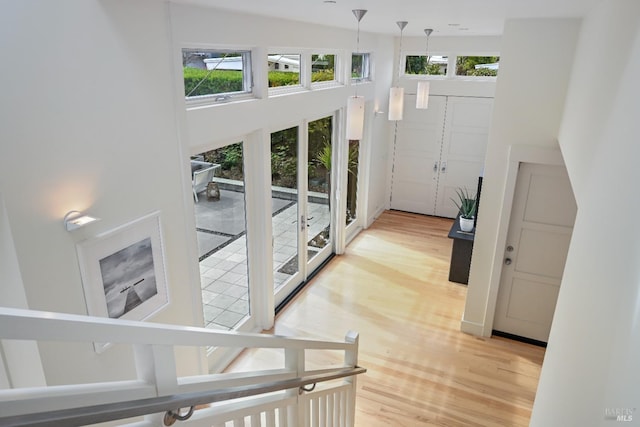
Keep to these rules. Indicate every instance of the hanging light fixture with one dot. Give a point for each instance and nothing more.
(355, 104)
(422, 95)
(396, 93)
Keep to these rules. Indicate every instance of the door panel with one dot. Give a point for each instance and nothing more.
(538, 240)
(417, 156)
(466, 132)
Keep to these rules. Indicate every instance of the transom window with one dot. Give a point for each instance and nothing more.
(477, 66)
(323, 68)
(360, 66)
(434, 65)
(284, 69)
(218, 73)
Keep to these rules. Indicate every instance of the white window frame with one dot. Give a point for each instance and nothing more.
(367, 67)
(452, 65)
(337, 70)
(403, 69)
(224, 97)
(304, 74)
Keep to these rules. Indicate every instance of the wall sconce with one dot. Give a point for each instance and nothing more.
(77, 219)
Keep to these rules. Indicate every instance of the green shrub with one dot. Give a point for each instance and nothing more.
(282, 78)
(322, 76)
(207, 82)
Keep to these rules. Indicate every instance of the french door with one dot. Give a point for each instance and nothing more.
(301, 159)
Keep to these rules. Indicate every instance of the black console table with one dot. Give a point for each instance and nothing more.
(460, 253)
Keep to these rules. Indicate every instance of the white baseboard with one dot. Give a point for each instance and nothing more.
(473, 328)
(375, 216)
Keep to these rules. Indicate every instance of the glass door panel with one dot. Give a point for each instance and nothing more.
(319, 156)
(286, 212)
(301, 191)
(352, 181)
(218, 187)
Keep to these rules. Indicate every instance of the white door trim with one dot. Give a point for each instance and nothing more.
(517, 154)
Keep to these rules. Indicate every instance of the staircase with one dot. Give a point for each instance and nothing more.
(288, 395)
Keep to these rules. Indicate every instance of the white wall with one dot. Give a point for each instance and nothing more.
(20, 363)
(88, 123)
(591, 363)
(528, 108)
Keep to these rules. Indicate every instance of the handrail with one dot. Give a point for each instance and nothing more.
(73, 327)
(121, 410)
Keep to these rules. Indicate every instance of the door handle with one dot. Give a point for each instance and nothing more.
(507, 261)
(435, 167)
(444, 167)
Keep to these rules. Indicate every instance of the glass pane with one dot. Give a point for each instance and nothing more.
(352, 181)
(477, 66)
(284, 69)
(210, 72)
(319, 185)
(322, 68)
(218, 183)
(433, 65)
(284, 194)
(360, 66)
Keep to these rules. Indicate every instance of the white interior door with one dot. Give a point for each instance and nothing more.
(540, 228)
(466, 133)
(417, 156)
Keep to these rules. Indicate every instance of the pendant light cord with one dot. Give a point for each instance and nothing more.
(358, 54)
(399, 58)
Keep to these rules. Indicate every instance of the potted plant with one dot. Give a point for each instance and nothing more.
(466, 205)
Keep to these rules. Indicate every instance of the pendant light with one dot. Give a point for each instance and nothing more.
(396, 93)
(422, 95)
(355, 104)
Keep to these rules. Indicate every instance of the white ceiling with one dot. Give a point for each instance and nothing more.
(446, 17)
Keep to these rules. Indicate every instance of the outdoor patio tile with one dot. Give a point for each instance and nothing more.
(218, 286)
(280, 257)
(240, 255)
(235, 291)
(210, 262)
(216, 327)
(231, 277)
(208, 296)
(214, 273)
(223, 301)
(227, 265)
(240, 306)
(228, 319)
(211, 312)
(244, 282)
(240, 269)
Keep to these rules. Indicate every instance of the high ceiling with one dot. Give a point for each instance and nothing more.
(446, 17)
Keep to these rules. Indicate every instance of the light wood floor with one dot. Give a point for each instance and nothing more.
(391, 286)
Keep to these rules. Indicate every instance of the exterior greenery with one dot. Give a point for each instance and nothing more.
(199, 82)
(230, 160)
(418, 65)
(466, 65)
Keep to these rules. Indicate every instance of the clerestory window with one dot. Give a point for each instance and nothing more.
(216, 74)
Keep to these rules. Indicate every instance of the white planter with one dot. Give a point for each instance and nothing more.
(466, 224)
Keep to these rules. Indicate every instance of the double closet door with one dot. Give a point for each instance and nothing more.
(438, 150)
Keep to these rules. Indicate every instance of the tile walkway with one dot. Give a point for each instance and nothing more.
(223, 254)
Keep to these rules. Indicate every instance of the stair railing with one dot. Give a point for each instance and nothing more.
(285, 396)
